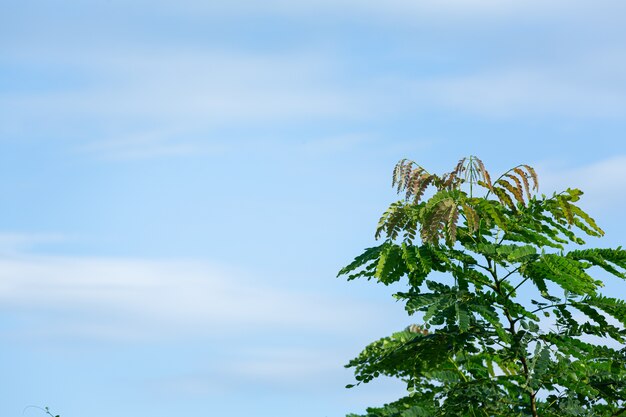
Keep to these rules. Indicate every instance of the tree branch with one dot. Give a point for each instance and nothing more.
(511, 329)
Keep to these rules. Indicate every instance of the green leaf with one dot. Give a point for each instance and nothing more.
(367, 257)
(462, 317)
(390, 267)
(566, 272)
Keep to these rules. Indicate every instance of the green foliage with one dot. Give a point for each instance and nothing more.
(482, 349)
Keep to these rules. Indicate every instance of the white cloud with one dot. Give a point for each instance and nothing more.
(399, 10)
(603, 182)
(126, 298)
(284, 364)
(334, 144)
(144, 144)
(147, 103)
(169, 102)
(293, 369)
(189, 89)
(11, 243)
(141, 100)
(571, 88)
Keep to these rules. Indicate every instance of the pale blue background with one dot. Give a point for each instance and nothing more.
(180, 181)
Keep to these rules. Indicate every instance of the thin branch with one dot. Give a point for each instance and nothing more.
(518, 285)
(550, 306)
(511, 329)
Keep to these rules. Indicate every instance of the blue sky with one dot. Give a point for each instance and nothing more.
(181, 181)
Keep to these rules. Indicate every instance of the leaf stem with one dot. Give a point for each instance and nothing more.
(517, 286)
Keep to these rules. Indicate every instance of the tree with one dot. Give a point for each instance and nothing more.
(512, 321)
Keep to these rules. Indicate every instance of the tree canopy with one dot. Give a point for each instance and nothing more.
(512, 321)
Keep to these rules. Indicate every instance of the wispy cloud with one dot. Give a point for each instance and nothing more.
(334, 144)
(148, 103)
(285, 364)
(121, 298)
(400, 10)
(295, 370)
(603, 182)
(15, 243)
(163, 143)
(585, 87)
(193, 89)
(143, 145)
